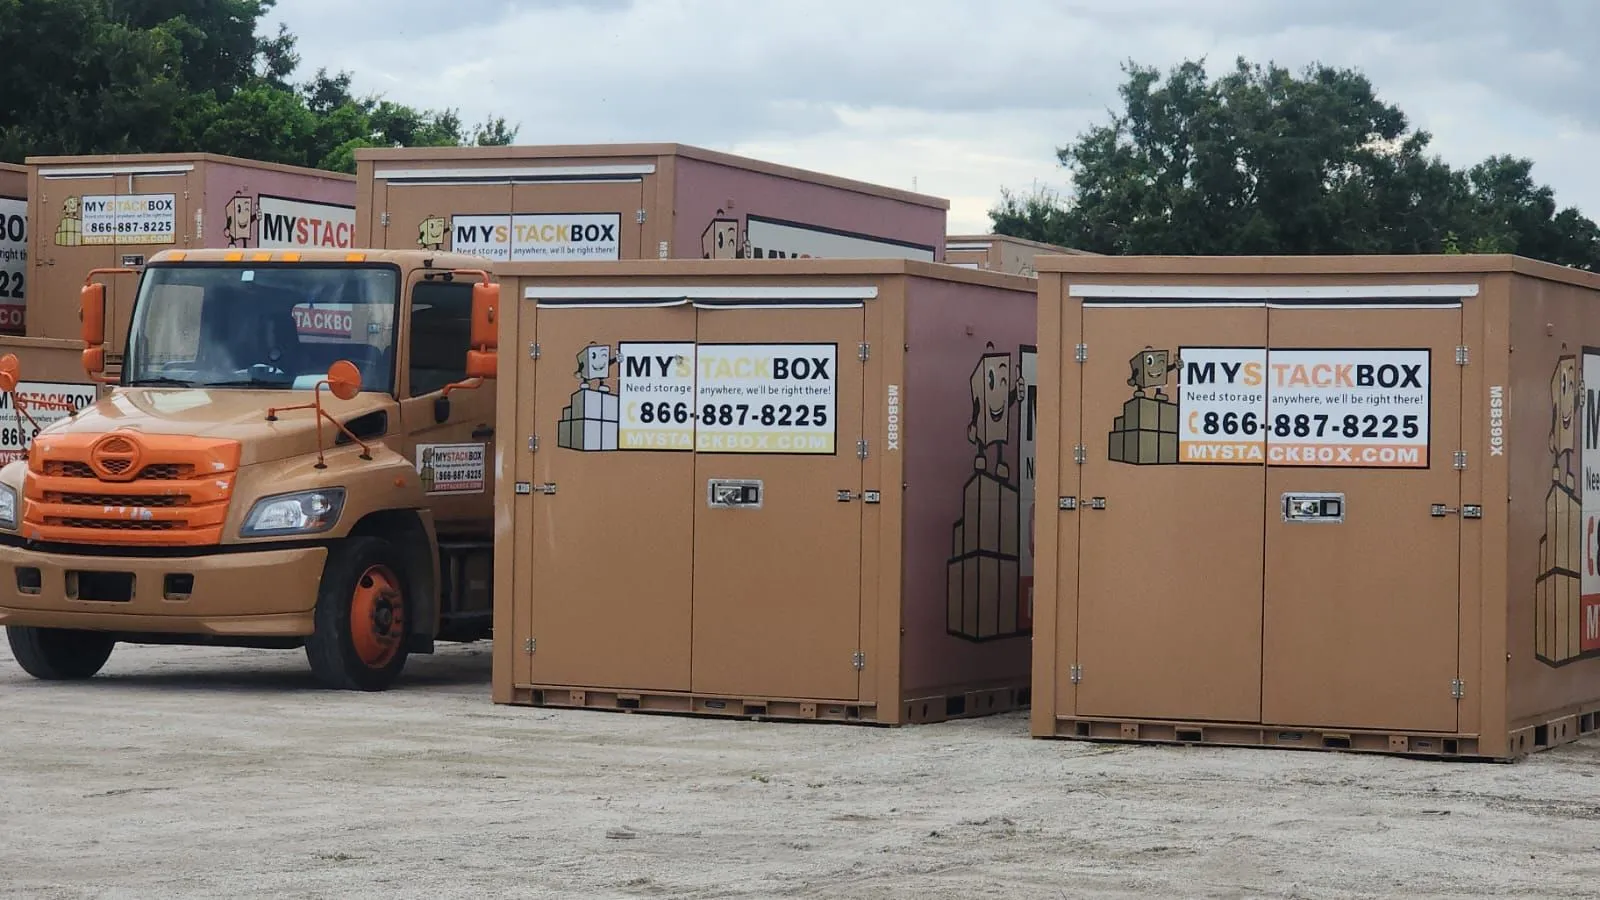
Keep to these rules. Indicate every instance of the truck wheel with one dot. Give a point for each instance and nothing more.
(59, 654)
(363, 605)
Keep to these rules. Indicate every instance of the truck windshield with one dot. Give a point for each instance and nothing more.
(266, 326)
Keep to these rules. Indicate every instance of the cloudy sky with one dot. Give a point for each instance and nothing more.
(955, 99)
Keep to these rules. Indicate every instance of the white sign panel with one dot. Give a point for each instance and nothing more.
(451, 468)
(1222, 403)
(655, 393)
(781, 240)
(17, 433)
(130, 219)
(1359, 408)
(13, 261)
(299, 224)
(766, 398)
(1588, 425)
(1029, 364)
(538, 237)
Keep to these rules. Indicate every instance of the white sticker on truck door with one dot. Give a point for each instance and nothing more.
(45, 402)
(766, 398)
(451, 468)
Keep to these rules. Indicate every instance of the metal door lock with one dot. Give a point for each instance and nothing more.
(1313, 508)
(723, 493)
(1467, 511)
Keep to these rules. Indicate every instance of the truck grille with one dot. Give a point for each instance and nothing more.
(130, 489)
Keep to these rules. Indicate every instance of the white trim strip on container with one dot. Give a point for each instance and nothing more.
(969, 246)
(1245, 304)
(648, 291)
(607, 304)
(760, 304)
(1268, 292)
(538, 172)
(104, 171)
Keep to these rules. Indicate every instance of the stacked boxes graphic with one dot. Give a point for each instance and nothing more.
(982, 596)
(1146, 434)
(590, 422)
(1558, 592)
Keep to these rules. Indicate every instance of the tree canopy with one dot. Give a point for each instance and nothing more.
(1266, 161)
(157, 76)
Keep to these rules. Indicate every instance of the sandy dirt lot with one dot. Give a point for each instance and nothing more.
(219, 773)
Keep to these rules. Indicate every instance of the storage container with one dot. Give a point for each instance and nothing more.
(1342, 502)
(632, 201)
(13, 246)
(998, 252)
(115, 211)
(787, 489)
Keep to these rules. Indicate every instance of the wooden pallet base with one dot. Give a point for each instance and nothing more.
(965, 705)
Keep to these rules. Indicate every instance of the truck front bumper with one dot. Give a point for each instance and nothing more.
(264, 593)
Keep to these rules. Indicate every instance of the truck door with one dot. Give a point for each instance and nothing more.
(777, 481)
(452, 444)
(612, 492)
(1362, 584)
(1169, 517)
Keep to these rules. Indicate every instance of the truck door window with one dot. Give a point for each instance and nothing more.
(441, 333)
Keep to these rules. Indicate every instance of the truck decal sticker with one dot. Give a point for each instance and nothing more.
(1348, 408)
(1567, 590)
(709, 398)
(989, 591)
(451, 468)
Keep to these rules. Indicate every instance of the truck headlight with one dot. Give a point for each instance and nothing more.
(8, 507)
(304, 512)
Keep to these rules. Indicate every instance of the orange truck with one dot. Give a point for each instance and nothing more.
(293, 452)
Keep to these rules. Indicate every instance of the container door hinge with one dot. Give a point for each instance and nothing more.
(384, 220)
(1081, 353)
(861, 448)
(1077, 673)
(528, 646)
(1461, 355)
(533, 444)
(859, 660)
(1461, 459)
(1458, 688)
(533, 350)
(1079, 454)
(639, 217)
(864, 351)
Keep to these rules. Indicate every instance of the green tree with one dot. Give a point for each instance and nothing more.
(1266, 161)
(150, 76)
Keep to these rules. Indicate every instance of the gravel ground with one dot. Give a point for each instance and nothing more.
(185, 772)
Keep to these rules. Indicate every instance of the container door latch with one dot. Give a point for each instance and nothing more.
(1318, 508)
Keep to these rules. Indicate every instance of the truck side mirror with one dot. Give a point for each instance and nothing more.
(10, 373)
(92, 310)
(482, 357)
(94, 360)
(344, 379)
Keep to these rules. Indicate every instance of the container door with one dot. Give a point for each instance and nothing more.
(579, 221)
(1362, 591)
(777, 553)
(471, 217)
(1170, 567)
(73, 235)
(613, 495)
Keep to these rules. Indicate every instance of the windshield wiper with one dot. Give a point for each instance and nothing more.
(160, 382)
(249, 382)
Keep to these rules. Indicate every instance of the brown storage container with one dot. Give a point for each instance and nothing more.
(13, 246)
(632, 201)
(791, 489)
(1341, 502)
(104, 211)
(999, 252)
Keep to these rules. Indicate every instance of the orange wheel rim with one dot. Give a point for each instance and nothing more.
(377, 616)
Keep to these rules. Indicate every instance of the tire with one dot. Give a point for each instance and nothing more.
(59, 654)
(358, 642)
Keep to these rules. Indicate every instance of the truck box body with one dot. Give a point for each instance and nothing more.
(727, 510)
(1341, 502)
(102, 211)
(998, 252)
(632, 201)
(13, 246)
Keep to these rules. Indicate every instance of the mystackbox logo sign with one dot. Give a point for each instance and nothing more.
(1567, 589)
(13, 261)
(532, 237)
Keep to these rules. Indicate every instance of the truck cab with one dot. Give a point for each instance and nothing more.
(295, 449)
